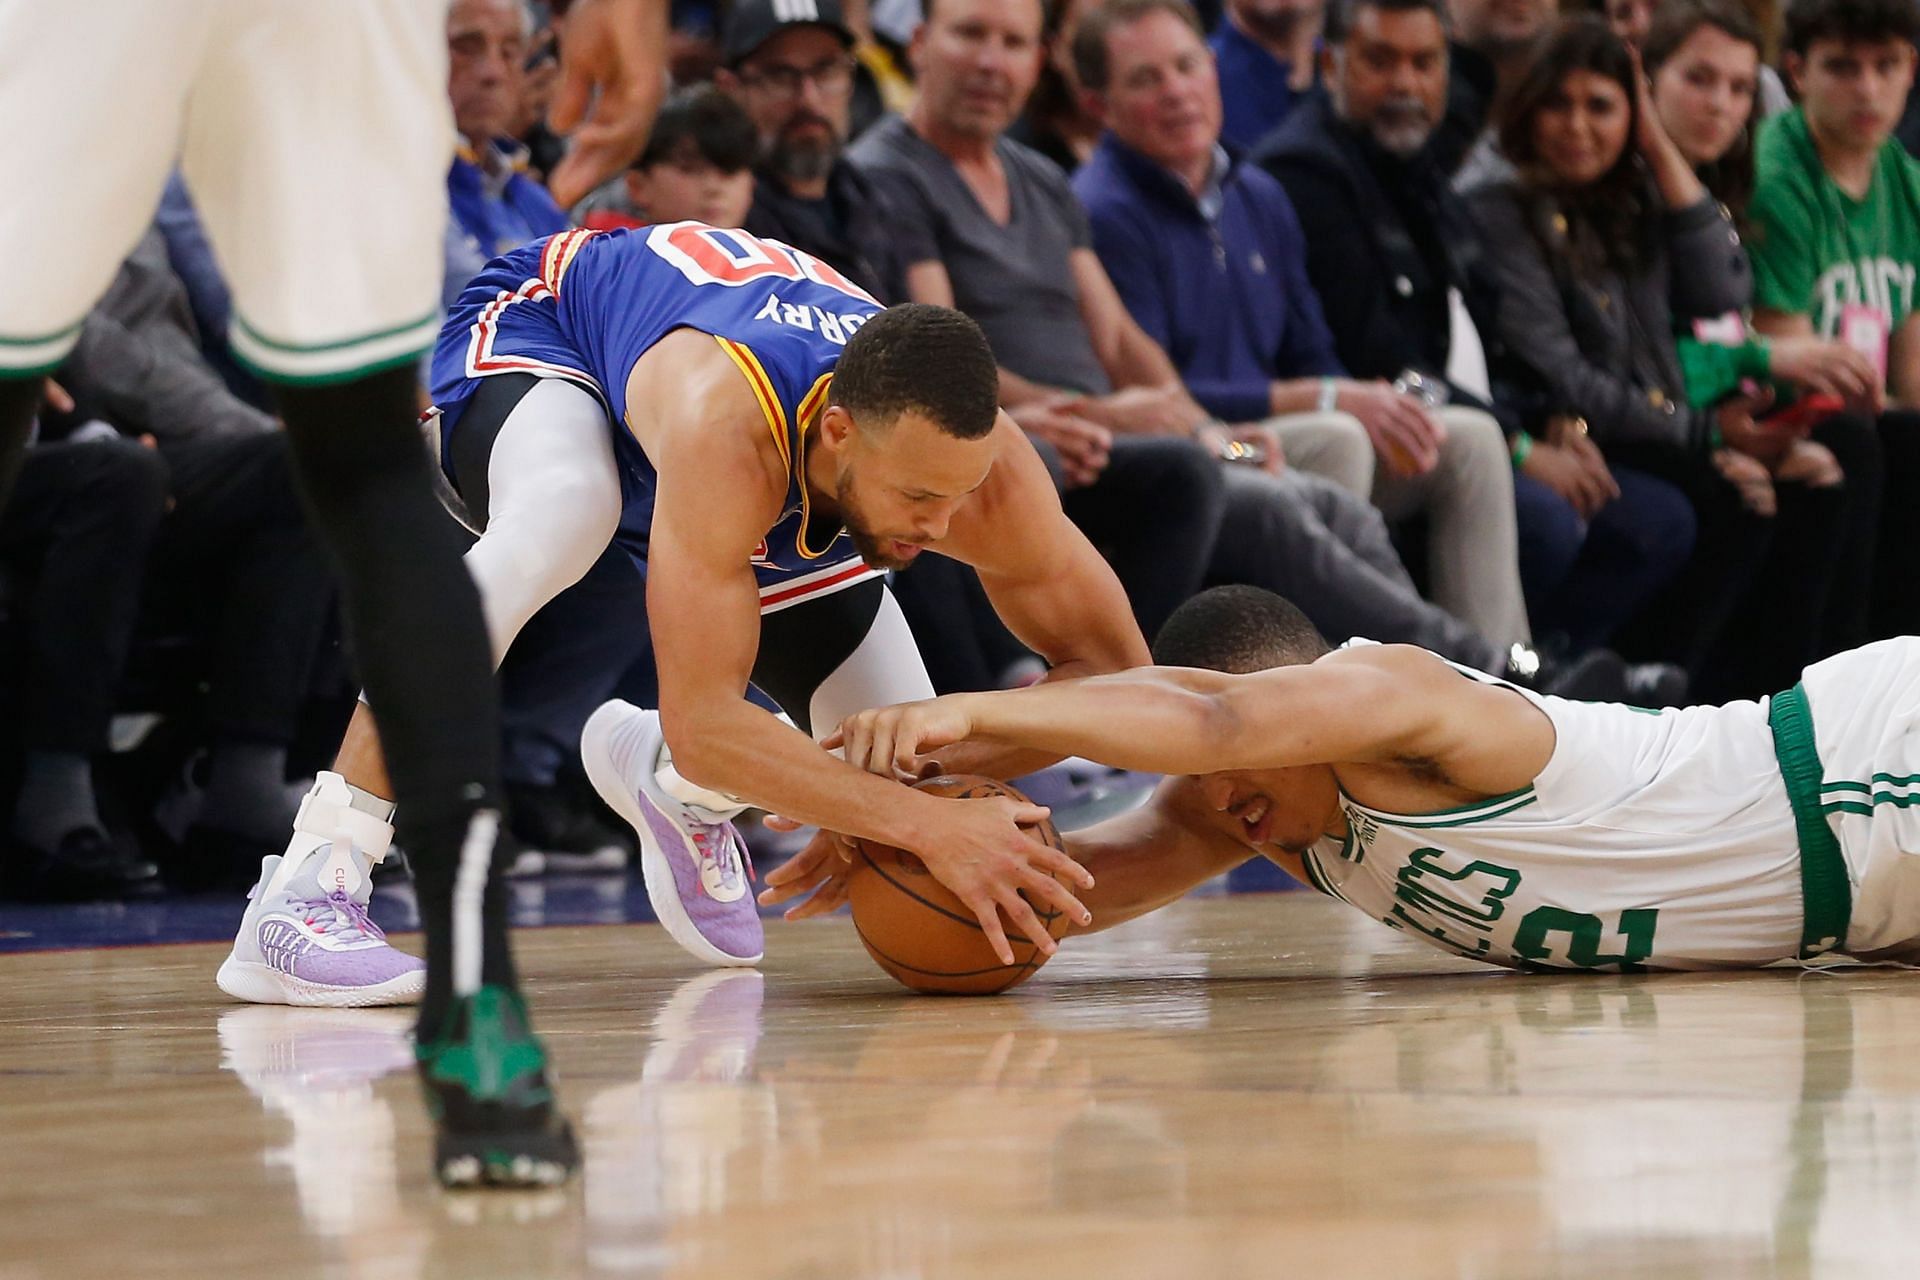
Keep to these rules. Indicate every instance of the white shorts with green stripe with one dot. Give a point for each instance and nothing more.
(1865, 706)
(315, 138)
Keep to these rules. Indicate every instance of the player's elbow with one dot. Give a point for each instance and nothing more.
(1224, 729)
(693, 739)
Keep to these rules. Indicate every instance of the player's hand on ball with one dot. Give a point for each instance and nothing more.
(823, 869)
(892, 741)
(979, 850)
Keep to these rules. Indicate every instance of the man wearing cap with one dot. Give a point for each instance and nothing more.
(790, 64)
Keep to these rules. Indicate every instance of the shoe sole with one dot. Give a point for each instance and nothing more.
(505, 1160)
(263, 984)
(655, 869)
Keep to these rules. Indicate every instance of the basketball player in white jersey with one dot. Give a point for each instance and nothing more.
(316, 138)
(1503, 825)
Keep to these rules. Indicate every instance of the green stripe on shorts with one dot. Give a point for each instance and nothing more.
(1826, 893)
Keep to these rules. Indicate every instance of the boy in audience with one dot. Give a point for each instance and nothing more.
(1835, 235)
(698, 166)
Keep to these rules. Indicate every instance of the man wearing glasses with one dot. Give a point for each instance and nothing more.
(789, 63)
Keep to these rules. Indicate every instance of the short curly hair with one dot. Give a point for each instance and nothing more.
(920, 358)
(1238, 630)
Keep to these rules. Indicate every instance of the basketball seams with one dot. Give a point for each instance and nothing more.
(935, 907)
(927, 942)
(1013, 973)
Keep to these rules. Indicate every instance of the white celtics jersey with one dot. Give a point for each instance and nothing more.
(1659, 840)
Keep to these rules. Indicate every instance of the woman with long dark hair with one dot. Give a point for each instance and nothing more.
(1612, 243)
(1702, 59)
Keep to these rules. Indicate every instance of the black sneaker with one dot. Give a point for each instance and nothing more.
(557, 832)
(1655, 684)
(497, 1123)
(88, 865)
(1598, 675)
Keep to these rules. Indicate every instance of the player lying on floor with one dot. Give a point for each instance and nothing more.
(1502, 825)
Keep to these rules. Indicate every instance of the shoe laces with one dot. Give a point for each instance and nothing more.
(721, 845)
(339, 917)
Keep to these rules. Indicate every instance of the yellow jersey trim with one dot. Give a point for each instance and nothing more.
(810, 406)
(762, 386)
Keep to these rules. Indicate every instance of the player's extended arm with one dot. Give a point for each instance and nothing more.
(1047, 583)
(704, 607)
(1371, 705)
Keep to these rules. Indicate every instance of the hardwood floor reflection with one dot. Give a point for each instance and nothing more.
(1254, 1086)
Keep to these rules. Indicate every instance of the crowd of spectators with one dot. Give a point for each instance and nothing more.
(1575, 345)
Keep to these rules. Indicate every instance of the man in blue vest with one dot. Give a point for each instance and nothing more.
(495, 206)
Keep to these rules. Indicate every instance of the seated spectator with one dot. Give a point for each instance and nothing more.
(1008, 244)
(191, 255)
(790, 67)
(1207, 253)
(1491, 41)
(697, 166)
(1702, 59)
(1836, 238)
(1630, 19)
(1404, 283)
(1599, 266)
(1056, 123)
(1080, 374)
(74, 538)
(1269, 63)
(232, 553)
(494, 206)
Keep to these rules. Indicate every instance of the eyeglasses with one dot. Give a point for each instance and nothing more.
(832, 79)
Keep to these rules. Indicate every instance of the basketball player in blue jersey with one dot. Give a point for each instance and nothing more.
(763, 442)
(1496, 823)
(316, 138)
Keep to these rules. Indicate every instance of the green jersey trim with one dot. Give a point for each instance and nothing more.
(1318, 877)
(1826, 892)
(1458, 816)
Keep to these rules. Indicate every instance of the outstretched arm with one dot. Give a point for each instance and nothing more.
(1379, 704)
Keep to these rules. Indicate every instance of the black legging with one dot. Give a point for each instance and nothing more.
(1764, 597)
(1896, 602)
(1809, 599)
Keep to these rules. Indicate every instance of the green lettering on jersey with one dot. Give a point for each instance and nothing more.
(1532, 942)
(1438, 909)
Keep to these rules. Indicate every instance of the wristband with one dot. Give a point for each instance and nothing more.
(1522, 446)
(1329, 395)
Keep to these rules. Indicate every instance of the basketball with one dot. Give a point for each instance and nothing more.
(924, 936)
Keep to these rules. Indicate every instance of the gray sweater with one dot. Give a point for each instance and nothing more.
(138, 358)
(1605, 346)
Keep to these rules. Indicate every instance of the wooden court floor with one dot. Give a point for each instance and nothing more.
(1254, 1086)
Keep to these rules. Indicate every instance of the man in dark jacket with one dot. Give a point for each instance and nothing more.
(791, 67)
(1403, 279)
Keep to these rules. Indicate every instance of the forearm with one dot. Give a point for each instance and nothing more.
(1017, 392)
(735, 747)
(1296, 395)
(1154, 720)
(1679, 186)
(999, 760)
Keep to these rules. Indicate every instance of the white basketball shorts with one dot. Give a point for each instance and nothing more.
(314, 134)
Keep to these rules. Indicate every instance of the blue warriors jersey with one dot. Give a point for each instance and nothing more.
(585, 306)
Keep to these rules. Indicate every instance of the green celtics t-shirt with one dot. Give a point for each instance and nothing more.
(1816, 249)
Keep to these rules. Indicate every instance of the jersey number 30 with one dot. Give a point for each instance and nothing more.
(711, 255)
